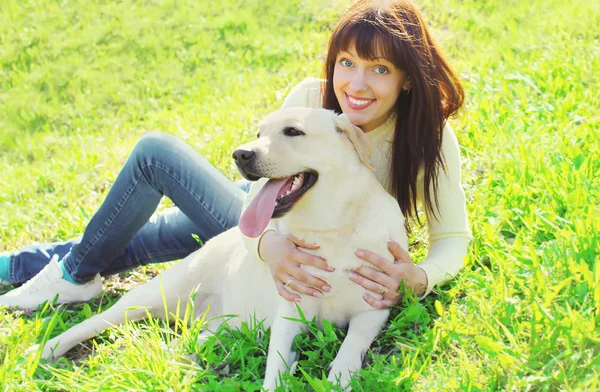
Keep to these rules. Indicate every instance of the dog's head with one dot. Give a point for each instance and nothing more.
(296, 149)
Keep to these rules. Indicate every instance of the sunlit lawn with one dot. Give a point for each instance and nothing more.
(81, 81)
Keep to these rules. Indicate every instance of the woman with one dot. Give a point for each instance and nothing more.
(386, 73)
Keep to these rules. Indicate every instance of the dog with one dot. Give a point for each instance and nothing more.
(319, 185)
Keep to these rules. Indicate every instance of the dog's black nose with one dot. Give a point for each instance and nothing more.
(243, 156)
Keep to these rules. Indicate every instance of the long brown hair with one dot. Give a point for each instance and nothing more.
(396, 30)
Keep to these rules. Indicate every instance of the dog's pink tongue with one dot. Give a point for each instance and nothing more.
(256, 217)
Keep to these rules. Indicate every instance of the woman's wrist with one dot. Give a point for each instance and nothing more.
(260, 241)
(423, 282)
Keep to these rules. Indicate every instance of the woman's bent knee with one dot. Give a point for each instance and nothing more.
(169, 152)
(156, 142)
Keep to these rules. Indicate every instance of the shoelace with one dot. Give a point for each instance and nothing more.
(39, 281)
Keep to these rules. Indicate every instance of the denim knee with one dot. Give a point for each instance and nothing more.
(154, 144)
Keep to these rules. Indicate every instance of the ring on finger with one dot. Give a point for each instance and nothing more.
(384, 291)
(289, 281)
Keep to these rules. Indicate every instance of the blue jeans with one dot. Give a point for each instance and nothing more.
(122, 235)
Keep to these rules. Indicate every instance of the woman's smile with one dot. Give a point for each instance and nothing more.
(358, 103)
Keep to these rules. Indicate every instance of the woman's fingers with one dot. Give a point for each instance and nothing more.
(301, 288)
(297, 279)
(369, 284)
(399, 252)
(282, 290)
(378, 277)
(302, 282)
(377, 282)
(383, 303)
(301, 243)
(307, 279)
(288, 273)
(378, 261)
(305, 258)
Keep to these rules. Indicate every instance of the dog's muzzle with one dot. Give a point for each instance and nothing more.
(245, 161)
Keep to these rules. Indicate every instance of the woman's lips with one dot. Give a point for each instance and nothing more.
(356, 103)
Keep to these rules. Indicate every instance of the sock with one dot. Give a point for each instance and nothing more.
(66, 275)
(4, 266)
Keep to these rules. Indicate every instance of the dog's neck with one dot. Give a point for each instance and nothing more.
(333, 204)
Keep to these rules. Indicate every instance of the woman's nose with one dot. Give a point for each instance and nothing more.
(359, 81)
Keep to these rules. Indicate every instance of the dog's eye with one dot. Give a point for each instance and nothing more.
(289, 131)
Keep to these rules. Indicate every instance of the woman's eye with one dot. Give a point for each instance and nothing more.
(381, 70)
(346, 63)
(289, 131)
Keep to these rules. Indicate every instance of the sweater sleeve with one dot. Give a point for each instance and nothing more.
(448, 229)
(307, 93)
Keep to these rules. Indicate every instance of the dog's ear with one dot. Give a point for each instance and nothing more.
(359, 140)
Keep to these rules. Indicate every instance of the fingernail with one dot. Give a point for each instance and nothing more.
(330, 268)
(317, 294)
(352, 275)
(326, 289)
(390, 243)
(298, 299)
(359, 253)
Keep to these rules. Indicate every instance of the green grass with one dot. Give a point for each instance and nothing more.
(81, 81)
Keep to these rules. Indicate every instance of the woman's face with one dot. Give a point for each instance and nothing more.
(367, 90)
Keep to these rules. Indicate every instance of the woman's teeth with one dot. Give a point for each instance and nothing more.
(358, 101)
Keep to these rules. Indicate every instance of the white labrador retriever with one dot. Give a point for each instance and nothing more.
(320, 187)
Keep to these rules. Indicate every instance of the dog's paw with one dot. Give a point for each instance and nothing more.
(47, 351)
(341, 372)
(269, 386)
(174, 343)
(31, 350)
(203, 337)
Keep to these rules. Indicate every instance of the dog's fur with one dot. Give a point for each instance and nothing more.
(345, 210)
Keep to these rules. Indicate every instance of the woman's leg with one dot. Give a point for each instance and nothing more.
(160, 164)
(31, 259)
(165, 237)
(113, 242)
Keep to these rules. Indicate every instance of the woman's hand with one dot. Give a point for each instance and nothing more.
(283, 256)
(388, 280)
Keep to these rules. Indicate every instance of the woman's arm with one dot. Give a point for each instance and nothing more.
(449, 232)
(449, 237)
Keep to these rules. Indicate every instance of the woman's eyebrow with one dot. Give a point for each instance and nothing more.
(375, 59)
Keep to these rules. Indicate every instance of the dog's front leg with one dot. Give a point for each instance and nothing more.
(280, 355)
(362, 330)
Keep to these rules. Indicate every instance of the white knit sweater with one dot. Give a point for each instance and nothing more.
(449, 235)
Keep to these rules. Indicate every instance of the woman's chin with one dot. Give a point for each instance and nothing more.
(365, 121)
(358, 119)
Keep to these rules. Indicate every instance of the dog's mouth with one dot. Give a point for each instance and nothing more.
(292, 190)
(274, 200)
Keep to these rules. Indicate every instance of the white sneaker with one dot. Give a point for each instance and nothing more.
(46, 285)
